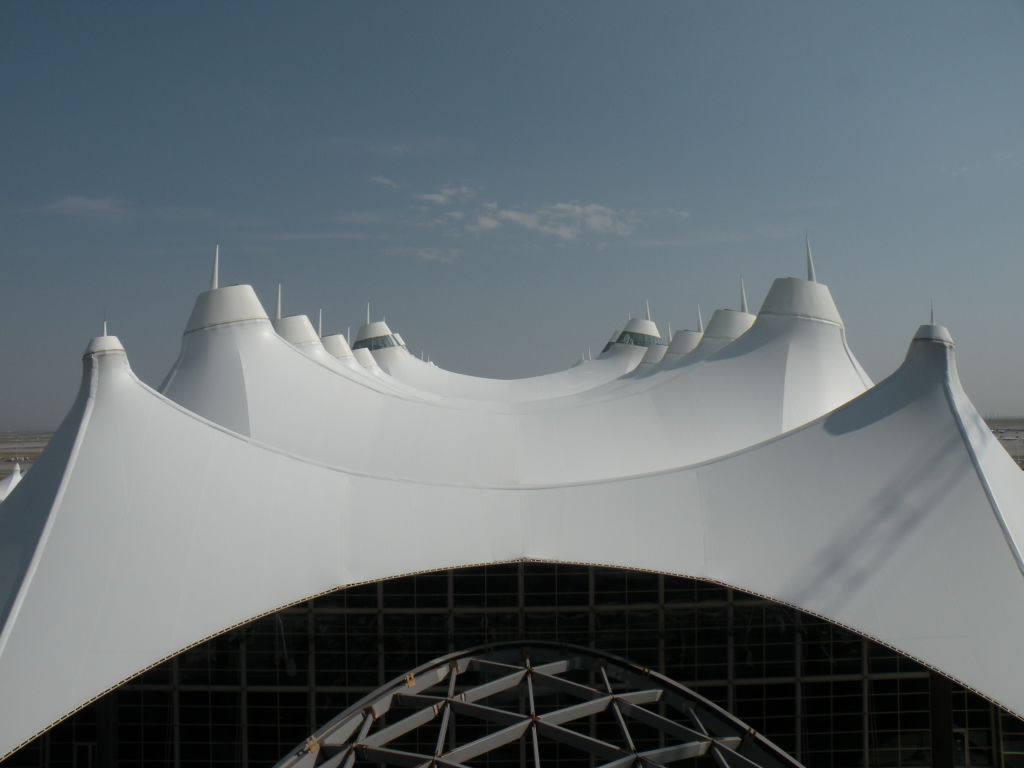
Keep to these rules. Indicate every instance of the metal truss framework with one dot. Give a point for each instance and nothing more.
(535, 704)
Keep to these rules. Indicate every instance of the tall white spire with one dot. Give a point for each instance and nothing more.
(743, 296)
(810, 262)
(215, 275)
(648, 309)
(367, 313)
(700, 321)
(104, 327)
(277, 312)
(320, 324)
(670, 333)
(931, 314)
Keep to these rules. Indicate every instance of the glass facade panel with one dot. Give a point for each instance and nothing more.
(638, 339)
(377, 342)
(831, 698)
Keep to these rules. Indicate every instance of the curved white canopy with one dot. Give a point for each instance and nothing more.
(758, 458)
(789, 368)
(897, 514)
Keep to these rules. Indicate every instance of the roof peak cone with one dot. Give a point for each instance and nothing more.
(648, 309)
(104, 343)
(743, 297)
(277, 311)
(215, 275)
(934, 332)
(700, 321)
(810, 262)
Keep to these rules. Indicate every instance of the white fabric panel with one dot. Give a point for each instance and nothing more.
(10, 482)
(787, 369)
(878, 515)
(619, 360)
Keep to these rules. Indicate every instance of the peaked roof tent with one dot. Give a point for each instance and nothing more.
(897, 515)
(784, 372)
(639, 325)
(370, 330)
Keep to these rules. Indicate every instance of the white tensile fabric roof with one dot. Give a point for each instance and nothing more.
(771, 466)
(10, 482)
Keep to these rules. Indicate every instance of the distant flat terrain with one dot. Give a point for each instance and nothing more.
(1010, 432)
(20, 447)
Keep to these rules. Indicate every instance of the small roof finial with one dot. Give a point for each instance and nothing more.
(743, 296)
(215, 275)
(670, 332)
(104, 326)
(648, 309)
(320, 324)
(931, 315)
(810, 261)
(367, 313)
(348, 335)
(277, 312)
(700, 321)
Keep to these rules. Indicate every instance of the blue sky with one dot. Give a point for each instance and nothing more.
(506, 181)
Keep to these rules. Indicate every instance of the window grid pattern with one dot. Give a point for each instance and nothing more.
(245, 698)
(376, 342)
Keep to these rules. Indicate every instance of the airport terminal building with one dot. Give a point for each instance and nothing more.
(826, 695)
(838, 573)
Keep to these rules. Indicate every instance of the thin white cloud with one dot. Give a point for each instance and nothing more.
(483, 223)
(383, 180)
(86, 207)
(528, 220)
(448, 194)
(568, 221)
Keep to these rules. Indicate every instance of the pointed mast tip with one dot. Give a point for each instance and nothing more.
(810, 262)
(215, 275)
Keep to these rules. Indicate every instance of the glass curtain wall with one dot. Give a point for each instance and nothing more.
(245, 698)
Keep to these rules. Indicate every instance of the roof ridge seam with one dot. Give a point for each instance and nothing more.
(229, 322)
(769, 313)
(857, 367)
(947, 390)
(90, 401)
